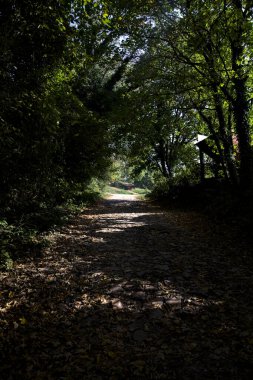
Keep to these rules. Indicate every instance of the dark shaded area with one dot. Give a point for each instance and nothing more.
(128, 292)
(224, 206)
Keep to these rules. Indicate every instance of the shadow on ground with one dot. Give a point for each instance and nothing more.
(127, 292)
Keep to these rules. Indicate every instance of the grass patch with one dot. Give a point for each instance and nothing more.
(115, 190)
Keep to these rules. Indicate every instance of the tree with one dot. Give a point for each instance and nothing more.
(194, 36)
(33, 38)
(152, 127)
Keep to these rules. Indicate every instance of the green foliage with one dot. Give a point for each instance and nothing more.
(53, 142)
(82, 195)
(15, 240)
(6, 263)
(5, 259)
(160, 189)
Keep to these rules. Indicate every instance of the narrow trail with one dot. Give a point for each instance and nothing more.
(128, 291)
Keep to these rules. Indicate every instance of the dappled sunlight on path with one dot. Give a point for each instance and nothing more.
(127, 291)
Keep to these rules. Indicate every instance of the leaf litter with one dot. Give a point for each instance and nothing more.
(129, 291)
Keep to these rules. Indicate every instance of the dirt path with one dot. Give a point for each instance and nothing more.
(129, 292)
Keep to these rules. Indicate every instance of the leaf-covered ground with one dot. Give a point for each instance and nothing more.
(127, 291)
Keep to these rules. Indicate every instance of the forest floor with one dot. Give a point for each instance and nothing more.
(130, 291)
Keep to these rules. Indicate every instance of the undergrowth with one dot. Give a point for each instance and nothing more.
(26, 235)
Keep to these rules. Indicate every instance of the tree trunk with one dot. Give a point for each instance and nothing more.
(240, 101)
(225, 138)
(224, 131)
(241, 112)
(161, 158)
(216, 138)
(243, 133)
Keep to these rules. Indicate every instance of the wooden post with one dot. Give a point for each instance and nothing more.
(202, 166)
